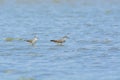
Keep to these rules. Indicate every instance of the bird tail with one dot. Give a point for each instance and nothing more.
(53, 40)
(27, 40)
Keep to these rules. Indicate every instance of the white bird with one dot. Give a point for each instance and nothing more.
(32, 41)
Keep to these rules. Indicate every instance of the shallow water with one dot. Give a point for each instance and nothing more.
(90, 53)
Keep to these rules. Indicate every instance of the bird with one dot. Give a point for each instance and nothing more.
(60, 41)
(32, 41)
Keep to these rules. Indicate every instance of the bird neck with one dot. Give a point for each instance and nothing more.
(64, 38)
(35, 39)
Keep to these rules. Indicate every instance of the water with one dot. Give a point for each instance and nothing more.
(90, 53)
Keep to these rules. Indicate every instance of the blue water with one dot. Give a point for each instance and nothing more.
(92, 51)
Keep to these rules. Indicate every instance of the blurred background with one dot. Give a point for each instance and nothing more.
(92, 51)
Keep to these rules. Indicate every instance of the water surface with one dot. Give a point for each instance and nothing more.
(91, 53)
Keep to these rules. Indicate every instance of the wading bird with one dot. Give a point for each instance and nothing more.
(60, 41)
(32, 41)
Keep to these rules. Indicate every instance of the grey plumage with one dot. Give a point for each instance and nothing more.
(32, 41)
(60, 41)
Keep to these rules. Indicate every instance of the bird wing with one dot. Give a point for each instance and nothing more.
(57, 41)
(29, 41)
